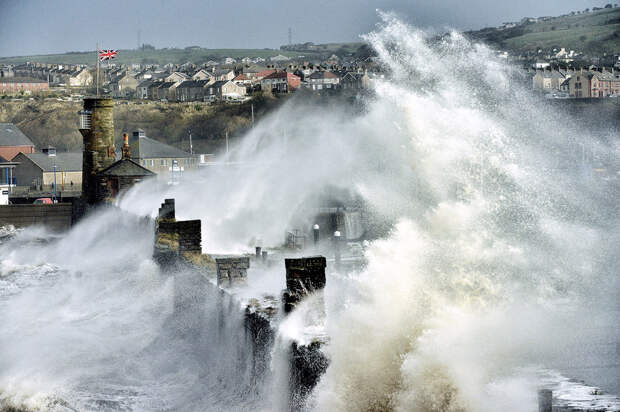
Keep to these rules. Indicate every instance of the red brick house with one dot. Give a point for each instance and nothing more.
(281, 82)
(13, 141)
(9, 85)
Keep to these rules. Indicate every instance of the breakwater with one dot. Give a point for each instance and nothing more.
(178, 249)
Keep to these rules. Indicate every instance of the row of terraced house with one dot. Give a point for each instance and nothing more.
(578, 83)
(227, 84)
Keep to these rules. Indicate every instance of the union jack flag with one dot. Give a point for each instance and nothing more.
(107, 54)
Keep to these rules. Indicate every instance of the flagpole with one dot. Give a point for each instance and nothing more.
(97, 53)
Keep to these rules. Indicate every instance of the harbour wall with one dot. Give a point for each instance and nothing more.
(55, 217)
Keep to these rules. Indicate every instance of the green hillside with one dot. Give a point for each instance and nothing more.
(162, 56)
(594, 32)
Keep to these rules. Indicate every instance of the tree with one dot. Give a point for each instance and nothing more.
(608, 6)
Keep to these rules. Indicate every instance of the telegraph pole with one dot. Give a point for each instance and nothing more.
(191, 147)
(97, 54)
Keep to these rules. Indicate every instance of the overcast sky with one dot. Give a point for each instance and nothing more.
(30, 27)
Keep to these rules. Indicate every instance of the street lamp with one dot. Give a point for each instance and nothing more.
(51, 152)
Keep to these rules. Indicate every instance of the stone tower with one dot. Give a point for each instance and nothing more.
(97, 128)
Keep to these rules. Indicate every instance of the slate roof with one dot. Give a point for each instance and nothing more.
(148, 148)
(10, 135)
(65, 161)
(166, 85)
(192, 83)
(222, 72)
(145, 83)
(126, 167)
(254, 69)
(218, 84)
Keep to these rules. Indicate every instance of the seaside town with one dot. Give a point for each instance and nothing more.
(29, 172)
(415, 219)
(557, 73)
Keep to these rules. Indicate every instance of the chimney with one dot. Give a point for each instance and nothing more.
(126, 148)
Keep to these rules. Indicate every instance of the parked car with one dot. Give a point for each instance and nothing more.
(43, 201)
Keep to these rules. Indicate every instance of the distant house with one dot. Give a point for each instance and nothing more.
(253, 71)
(142, 89)
(81, 78)
(203, 74)
(223, 90)
(594, 84)
(353, 80)
(151, 90)
(13, 141)
(176, 77)
(224, 74)
(191, 90)
(9, 85)
(7, 71)
(604, 83)
(547, 80)
(158, 157)
(242, 80)
(280, 82)
(37, 170)
(123, 85)
(323, 80)
(229, 60)
(166, 90)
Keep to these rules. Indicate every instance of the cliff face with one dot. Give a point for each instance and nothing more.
(53, 122)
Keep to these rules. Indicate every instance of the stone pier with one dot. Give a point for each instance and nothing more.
(178, 249)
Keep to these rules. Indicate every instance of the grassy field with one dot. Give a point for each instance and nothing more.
(594, 33)
(591, 38)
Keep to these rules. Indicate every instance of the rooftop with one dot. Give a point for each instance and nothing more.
(65, 161)
(10, 135)
(126, 167)
(148, 148)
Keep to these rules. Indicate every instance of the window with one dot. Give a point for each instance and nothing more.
(151, 162)
(163, 162)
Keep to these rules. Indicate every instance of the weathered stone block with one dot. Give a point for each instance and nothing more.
(303, 277)
(167, 209)
(232, 271)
